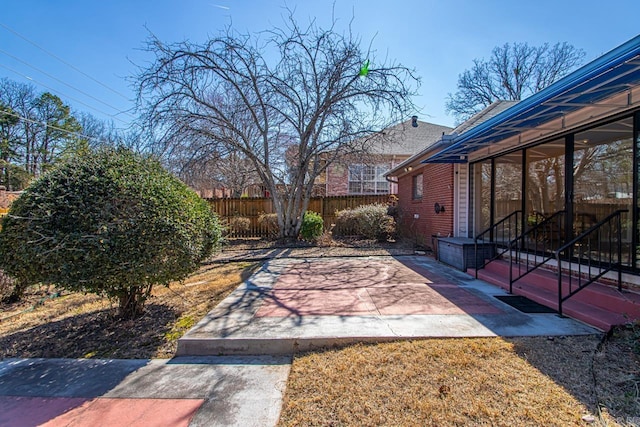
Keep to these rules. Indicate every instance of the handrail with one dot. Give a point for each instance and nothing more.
(492, 232)
(603, 266)
(536, 241)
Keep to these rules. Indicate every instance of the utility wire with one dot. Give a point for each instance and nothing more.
(63, 94)
(62, 60)
(26, 119)
(64, 83)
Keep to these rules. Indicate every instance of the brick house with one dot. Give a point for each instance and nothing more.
(365, 174)
(426, 202)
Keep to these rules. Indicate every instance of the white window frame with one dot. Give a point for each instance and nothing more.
(368, 179)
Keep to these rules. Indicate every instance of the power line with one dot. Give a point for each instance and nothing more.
(45, 124)
(64, 83)
(63, 94)
(62, 60)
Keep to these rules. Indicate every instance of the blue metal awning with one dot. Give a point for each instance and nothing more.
(613, 73)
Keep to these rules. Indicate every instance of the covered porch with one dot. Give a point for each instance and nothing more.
(553, 180)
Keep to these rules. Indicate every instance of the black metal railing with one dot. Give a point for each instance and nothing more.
(499, 235)
(535, 247)
(590, 256)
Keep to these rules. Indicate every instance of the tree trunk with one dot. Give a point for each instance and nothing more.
(19, 286)
(131, 302)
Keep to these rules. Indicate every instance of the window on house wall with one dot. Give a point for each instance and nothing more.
(417, 187)
(368, 179)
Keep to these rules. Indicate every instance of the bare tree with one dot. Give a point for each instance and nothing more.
(97, 133)
(513, 71)
(255, 95)
(46, 128)
(234, 172)
(231, 173)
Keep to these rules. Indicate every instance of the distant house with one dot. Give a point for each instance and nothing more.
(365, 174)
(426, 191)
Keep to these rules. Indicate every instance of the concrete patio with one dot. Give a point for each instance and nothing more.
(290, 305)
(303, 304)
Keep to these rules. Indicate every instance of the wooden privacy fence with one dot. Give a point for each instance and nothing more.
(231, 211)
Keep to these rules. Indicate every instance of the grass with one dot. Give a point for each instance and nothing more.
(78, 325)
(459, 382)
(443, 382)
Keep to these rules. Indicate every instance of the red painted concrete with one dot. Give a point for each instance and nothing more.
(128, 412)
(349, 287)
(343, 302)
(345, 274)
(18, 411)
(598, 305)
(428, 299)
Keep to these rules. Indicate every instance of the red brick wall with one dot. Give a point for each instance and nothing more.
(337, 179)
(437, 187)
(337, 175)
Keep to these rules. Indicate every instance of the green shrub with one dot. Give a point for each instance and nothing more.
(368, 221)
(312, 225)
(269, 223)
(111, 223)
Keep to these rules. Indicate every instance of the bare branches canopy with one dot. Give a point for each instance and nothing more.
(512, 72)
(289, 100)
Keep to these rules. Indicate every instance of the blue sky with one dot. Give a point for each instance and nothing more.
(439, 39)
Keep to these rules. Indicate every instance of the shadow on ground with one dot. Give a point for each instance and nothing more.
(602, 371)
(99, 334)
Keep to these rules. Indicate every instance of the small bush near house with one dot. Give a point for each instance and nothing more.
(346, 223)
(239, 225)
(111, 223)
(369, 221)
(374, 223)
(269, 223)
(312, 225)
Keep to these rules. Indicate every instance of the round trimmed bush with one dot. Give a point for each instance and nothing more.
(368, 221)
(108, 222)
(346, 223)
(374, 223)
(312, 225)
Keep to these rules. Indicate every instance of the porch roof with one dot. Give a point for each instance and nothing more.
(613, 73)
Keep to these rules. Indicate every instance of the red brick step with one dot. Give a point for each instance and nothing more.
(599, 305)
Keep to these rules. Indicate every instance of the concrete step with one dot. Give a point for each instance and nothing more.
(268, 346)
(598, 304)
(599, 294)
(586, 312)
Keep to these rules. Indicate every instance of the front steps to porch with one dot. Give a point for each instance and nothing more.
(598, 305)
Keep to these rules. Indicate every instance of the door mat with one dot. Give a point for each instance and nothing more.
(524, 304)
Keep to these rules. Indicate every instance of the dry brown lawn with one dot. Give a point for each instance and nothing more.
(466, 382)
(440, 382)
(74, 325)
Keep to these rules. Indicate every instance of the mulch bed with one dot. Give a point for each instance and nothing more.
(258, 249)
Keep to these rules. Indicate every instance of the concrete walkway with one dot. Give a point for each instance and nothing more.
(203, 392)
(289, 305)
